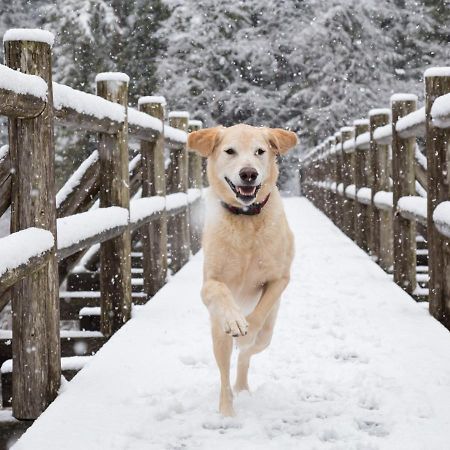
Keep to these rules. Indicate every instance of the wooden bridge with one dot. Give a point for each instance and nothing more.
(130, 216)
(100, 244)
(384, 182)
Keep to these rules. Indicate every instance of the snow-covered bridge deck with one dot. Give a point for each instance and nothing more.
(355, 363)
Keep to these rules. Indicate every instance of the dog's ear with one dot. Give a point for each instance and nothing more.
(204, 141)
(281, 140)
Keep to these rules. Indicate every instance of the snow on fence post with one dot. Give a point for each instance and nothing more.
(195, 175)
(381, 232)
(154, 233)
(361, 181)
(319, 177)
(403, 177)
(437, 83)
(115, 254)
(347, 133)
(322, 177)
(327, 167)
(339, 179)
(35, 301)
(332, 167)
(178, 226)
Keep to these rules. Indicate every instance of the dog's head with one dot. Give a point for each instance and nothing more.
(242, 166)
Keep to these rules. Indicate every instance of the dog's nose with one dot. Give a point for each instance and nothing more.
(248, 174)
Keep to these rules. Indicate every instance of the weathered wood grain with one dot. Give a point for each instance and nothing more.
(154, 233)
(437, 145)
(177, 181)
(20, 106)
(35, 302)
(115, 254)
(362, 177)
(403, 177)
(381, 232)
(348, 177)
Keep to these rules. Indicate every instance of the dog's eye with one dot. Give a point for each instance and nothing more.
(230, 151)
(260, 151)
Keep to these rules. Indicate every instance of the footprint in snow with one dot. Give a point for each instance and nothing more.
(372, 427)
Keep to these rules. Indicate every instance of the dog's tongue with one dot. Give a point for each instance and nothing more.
(246, 190)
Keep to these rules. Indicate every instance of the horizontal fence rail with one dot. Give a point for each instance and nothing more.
(118, 203)
(375, 183)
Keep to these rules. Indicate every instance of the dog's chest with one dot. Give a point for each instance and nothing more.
(250, 258)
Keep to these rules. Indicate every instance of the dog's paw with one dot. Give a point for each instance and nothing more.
(234, 322)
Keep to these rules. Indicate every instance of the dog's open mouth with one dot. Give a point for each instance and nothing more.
(245, 193)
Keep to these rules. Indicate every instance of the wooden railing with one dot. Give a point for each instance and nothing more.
(115, 198)
(375, 183)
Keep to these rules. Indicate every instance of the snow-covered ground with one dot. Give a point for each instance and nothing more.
(354, 364)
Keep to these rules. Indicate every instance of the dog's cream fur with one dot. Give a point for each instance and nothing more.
(247, 258)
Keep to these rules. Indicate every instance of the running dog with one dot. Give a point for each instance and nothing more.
(248, 246)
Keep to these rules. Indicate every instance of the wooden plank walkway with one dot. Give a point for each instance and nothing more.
(355, 363)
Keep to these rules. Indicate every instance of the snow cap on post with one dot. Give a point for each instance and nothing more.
(29, 34)
(379, 111)
(179, 115)
(346, 129)
(437, 72)
(403, 98)
(152, 99)
(360, 122)
(195, 123)
(112, 76)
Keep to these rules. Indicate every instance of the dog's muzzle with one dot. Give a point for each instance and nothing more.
(246, 193)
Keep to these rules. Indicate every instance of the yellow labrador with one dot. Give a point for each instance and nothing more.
(247, 243)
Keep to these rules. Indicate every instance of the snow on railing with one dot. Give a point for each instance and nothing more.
(440, 111)
(412, 124)
(383, 135)
(81, 230)
(413, 207)
(350, 191)
(363, 140)
(364, 195)
(349, 145)
(84, 103)
(74, 180)
(21, 83)
(384, 200)
(20, 247)
(143, 208)
(441, 218)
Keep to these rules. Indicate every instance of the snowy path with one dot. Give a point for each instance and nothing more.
(354, 364)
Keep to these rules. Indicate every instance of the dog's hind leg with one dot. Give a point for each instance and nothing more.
(262, 342)
(223, 346)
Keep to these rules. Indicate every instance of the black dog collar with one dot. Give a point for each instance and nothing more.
(250, 210)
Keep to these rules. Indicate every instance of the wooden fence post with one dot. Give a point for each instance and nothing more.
(332, 178)
(361, 180)
(381, 232)
(177, 181)
(115, 254)
(195, 180)
(403, 176)
(154, 234)
(339, 178)
(35, 300)
(437, 83)
(348, 179)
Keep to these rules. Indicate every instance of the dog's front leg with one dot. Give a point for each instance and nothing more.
(256, 319)
(226, 321)
(223, 309)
